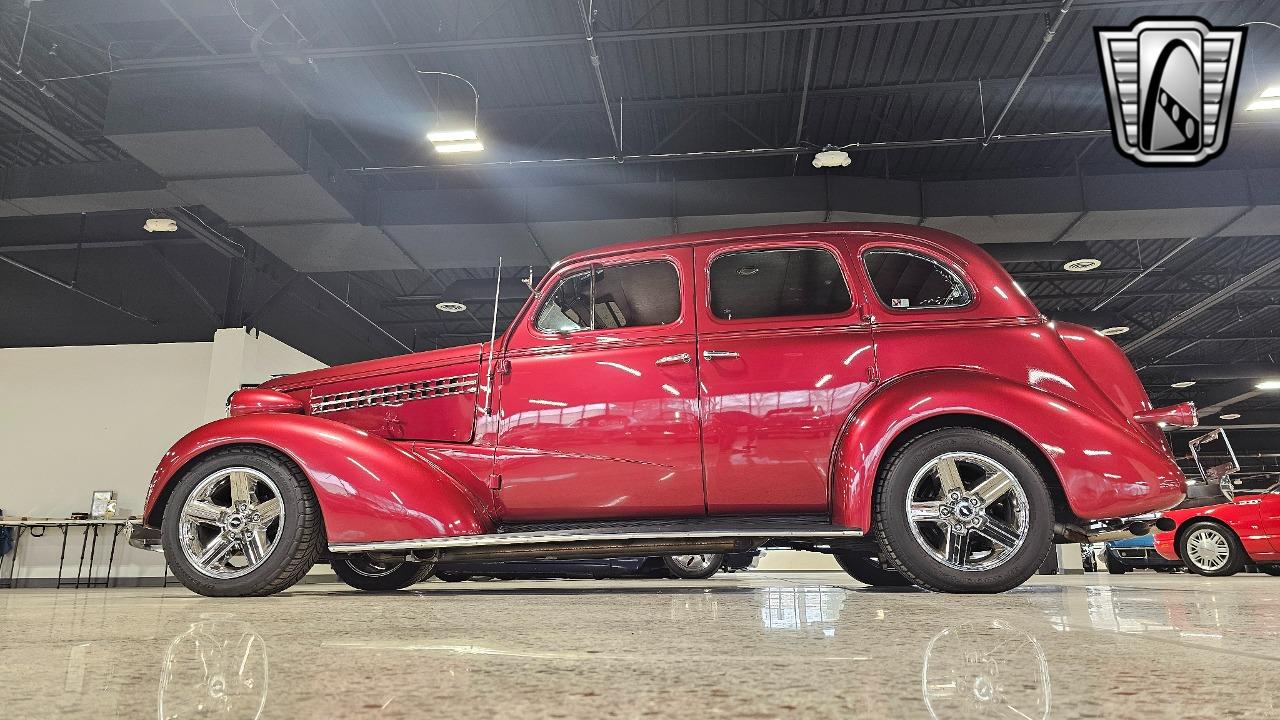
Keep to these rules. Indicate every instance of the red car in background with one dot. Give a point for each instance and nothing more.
(883, 393)
(1221, 539)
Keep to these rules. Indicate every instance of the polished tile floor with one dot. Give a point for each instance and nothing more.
(751, 645)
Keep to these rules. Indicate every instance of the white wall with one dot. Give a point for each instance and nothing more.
(78, 419)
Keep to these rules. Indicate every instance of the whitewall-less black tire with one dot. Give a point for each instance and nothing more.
(364, 573)
(964, 511)
(242, 521)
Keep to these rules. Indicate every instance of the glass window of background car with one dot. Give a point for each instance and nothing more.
(777, 283)
(613, 296)
(904, 281)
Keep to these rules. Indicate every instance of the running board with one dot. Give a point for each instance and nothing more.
(672, 532)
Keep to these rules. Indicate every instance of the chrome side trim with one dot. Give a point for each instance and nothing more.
(570, 536)
(402, 393)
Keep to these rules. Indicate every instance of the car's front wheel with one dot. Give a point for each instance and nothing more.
(364, 573)
(962, 510)
(242, 521)
(1210, 549)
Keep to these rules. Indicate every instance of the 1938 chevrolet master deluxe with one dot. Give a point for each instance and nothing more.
(883, 393)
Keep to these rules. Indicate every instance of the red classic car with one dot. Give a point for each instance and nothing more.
(1220, 539)
(883, 393)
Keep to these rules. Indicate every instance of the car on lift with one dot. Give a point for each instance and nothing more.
(1220, 536)
(884, 393)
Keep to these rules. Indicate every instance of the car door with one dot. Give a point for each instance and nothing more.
(599, 409)
(1269, 519)
(784, 355)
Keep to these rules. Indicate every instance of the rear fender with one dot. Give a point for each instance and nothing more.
(369, 489)
(1105, 469)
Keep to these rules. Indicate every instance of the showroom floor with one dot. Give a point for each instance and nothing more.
(752, 645)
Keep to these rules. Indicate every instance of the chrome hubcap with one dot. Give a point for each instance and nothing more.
(231, 522)
(1208, 549)
(692, 563)
(967, 511)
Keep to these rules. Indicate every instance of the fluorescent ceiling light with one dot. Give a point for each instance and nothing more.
(1268, 100)
(1183, 384)
(460, 147)
(450, 307)
(1229, 416)
(1268, 385)
(441, 136)
(1082, 265)
(1115, 330)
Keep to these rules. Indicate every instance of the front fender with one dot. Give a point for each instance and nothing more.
(1106, 469)
(369, 489)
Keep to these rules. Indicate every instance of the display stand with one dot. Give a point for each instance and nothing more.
(89, 541)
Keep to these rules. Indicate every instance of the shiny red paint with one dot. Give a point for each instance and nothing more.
(1255, 519)
(260, 400)
(591, 425)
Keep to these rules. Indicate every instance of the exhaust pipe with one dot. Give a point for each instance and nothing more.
(1136, 528)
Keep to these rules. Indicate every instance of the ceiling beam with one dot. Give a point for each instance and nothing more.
(659, 33)
(1259, 274)
(60, 141)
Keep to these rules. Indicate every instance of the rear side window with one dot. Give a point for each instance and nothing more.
(617, 296)
(777, 283)
(905, 280)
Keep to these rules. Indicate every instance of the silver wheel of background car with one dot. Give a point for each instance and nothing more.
(967, 511)
(230, 523)
(1208, 549)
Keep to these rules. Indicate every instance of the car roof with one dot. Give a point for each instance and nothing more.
(926, 237)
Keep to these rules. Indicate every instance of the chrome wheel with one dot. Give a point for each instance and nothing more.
(231, 522)
(693, 564)
(967, 511)
(1208, 549)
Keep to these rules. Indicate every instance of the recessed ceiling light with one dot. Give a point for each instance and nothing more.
(1183, 384)
(1114, 330)
(1268, 100)
(450, 307)
(1082, 265)
(1268, 385)
(1229, 416)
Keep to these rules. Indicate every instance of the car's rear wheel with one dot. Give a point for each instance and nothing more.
(962, 510)
(1210, 549)
(693, 567)
(451, 576)
(866, 568)
(242, 521)
(1270, 569)
(364, 573)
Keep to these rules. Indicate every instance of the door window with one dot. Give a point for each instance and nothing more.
(904, 281)
(615, 296)
(777, 283)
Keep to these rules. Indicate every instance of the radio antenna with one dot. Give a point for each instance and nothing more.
(493, 337)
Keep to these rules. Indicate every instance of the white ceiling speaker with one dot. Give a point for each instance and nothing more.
(450, 306)
(832, 158)
(160, 225)
(1082, 265)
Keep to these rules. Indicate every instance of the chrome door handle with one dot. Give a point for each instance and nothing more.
(718, 354)
(673, 359)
